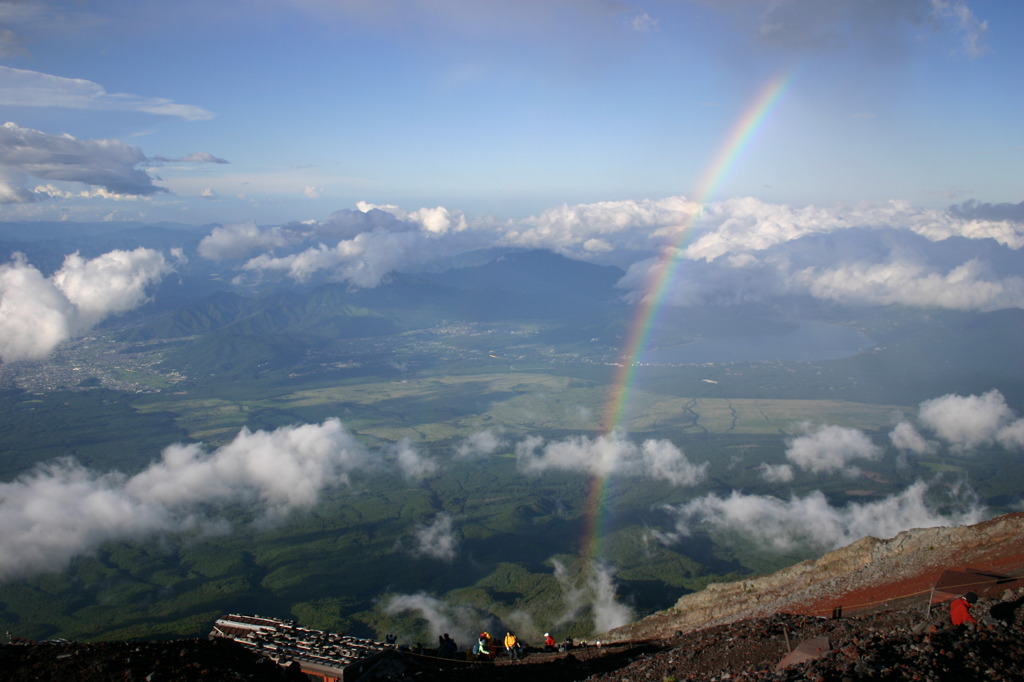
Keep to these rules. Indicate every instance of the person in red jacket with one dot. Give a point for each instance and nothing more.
(549, 642)
(960, 609)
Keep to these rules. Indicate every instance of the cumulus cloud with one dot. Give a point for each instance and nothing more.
(238, 240)
(965, 287)
(20, 87)
(363, 260)
(38, 313)
(461, 622)
(479, 444)
(437, 539)
(437, 220)
(610, 454)
(593, 591)
(905, 437)
(777, 473)
(594, 228)
(359, 247)
(109, 164)
(831, 449)
(111, 283)
(812, 523)
(61, 510)
(410, 462)
(967, 422)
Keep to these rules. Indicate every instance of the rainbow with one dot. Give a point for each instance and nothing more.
(661, 276)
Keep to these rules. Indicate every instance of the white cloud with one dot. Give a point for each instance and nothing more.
(811, 523)
(362, 261)
(748, 224)
(284, 470)
(609, 612)
(437, 220)
(61, 510)
(905, 437)
(610, 454)
(742, 249)
(965, 287)
(594, 590)
(437, 539)
(1011, 436)
(831, 449)
(410, 462)
(582, 228)
(777, 473)
(238, 240)
(20, 87)
(461, 622)
(479, 444)
(111, 283)
(967, 422)
(38, 313)
(35, 316)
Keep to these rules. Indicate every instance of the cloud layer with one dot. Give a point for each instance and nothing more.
(744, 249)
(61, 510)
(812, 522)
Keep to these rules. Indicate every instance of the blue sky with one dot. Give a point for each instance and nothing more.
(279, 110)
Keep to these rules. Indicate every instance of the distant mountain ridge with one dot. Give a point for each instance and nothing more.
(237, 332)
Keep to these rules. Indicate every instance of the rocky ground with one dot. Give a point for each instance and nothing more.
(900, 644)
(188, 660)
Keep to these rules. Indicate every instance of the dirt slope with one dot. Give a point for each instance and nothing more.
(869, 575)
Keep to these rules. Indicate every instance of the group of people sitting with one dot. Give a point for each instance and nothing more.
(485, 647)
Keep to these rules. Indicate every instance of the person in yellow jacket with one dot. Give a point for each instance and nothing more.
(512, 645)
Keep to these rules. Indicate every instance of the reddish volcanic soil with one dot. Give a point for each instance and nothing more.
(1005, 559)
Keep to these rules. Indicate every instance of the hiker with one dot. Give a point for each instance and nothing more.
(512, 646)
(549, 642)
(447, 647)
(483, 646)
(960, 609)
